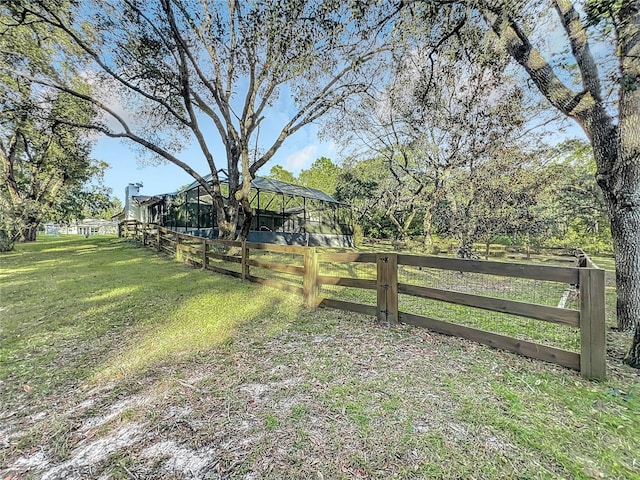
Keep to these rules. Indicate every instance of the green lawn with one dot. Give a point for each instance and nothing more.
(120, 362)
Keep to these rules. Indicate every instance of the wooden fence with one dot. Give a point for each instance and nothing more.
(247, 260)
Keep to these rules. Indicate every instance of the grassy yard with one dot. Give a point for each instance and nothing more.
(116, 362)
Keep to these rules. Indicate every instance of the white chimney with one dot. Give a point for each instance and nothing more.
(131, 211)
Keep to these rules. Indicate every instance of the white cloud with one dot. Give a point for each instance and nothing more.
(301, 158)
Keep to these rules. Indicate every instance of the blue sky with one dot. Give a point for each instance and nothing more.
(298, 152)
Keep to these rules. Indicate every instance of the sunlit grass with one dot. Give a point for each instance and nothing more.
(109, 294)
(79, 310)
(201, 322)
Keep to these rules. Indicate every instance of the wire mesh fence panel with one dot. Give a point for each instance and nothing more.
(538, 331)
(539, 292)
(227, 265)
(268, 273)
(281, 266)
(277, 257)
(571, 299)
(168, 243)
(349, 271)
(192, 257)
(221, 249)
(348, 294)
(359, 270)
(224, 256)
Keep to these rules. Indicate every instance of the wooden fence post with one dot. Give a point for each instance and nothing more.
(145, 227)
(392, 289)
(135, 231)
(245, 260)
(593, 362)
(387, 287)
(310, 278)
(158, 238)
(204, 253)
(178, 243)
(381, 287)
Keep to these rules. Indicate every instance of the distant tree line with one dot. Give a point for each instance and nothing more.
(550, 199)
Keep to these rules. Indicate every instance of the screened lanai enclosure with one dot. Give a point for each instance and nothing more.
(283, 213)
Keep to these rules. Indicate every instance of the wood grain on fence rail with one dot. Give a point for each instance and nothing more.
(225, 271)
(189, 249)
(226, 243)
(349, 306)
(504, 269)
(347, 257)
(271, 247)
(226, 258)
(277, 267)
(369, 284)
(287, 287)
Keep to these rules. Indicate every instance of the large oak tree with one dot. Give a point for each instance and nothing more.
(42, 157)
(209, 72)
(613, 133)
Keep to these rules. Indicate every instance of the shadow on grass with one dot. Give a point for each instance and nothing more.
(196, 323)
(79, 311)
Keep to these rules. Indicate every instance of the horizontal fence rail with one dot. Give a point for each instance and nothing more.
(389, 285)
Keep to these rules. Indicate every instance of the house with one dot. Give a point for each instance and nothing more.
(88, 226)
(283, 213)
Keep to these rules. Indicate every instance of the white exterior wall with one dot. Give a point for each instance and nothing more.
(132, 211)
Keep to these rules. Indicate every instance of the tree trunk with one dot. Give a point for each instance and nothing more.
(633, 357)
(427, 226)
(248, 218)
(625, 225)
(616, 147)
(627, 178)
(403, 228)
(227, 221)
(400, 233)
(28, 233)
(230, 214)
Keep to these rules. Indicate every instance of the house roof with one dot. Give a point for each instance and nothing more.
(264, 184)
(147, 200)
(95, 222)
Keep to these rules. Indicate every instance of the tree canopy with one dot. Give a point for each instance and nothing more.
(190, 68)
(42, 156)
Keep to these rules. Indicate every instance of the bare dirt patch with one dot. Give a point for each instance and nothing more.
(327, 395)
